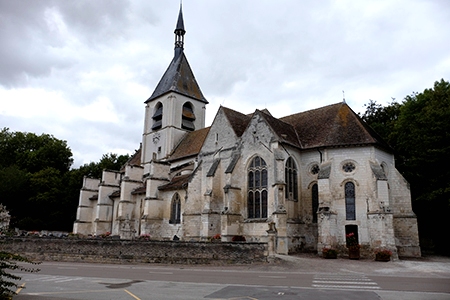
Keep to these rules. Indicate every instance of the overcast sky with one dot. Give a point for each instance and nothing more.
(81, 70)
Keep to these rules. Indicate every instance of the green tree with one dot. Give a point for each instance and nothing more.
(73, 181)
(37, 184)
(382, 118)
(31, 172)
(422, 137)
(419, 131)
(32, 153)
(108, 161)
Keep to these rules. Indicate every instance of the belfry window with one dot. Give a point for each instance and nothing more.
(175, 211)
(157, 117)
(315, 201)
(350, 209)
(188, 117)
(290, 176)
(257, 189)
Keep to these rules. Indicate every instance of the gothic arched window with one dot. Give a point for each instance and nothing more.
(290, 177)
(315, 201)
(257, 189)
(175, 211)
(157, 117)
(350, 209)
(188, 117)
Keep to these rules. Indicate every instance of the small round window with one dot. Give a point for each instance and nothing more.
(314, 169)
(348, 167)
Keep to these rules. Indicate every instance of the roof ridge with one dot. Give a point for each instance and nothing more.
(314, 109)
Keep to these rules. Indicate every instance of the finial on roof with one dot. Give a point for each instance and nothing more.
(343, 96)
(179, 33)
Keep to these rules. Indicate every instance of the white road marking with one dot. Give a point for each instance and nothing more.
(343, 281)
(324, 286)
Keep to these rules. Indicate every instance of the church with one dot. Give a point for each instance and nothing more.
(309, 178)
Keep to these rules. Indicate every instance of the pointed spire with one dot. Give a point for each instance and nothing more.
(179, 33)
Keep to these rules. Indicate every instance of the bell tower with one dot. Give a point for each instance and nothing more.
(176, 106)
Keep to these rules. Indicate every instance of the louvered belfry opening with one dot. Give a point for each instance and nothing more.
(188, 117)
(157, 117)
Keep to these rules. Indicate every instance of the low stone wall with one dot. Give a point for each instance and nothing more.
(136, 251)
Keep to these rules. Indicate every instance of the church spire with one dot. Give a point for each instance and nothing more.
(179, 33)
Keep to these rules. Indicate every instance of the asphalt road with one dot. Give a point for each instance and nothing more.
(307, 278)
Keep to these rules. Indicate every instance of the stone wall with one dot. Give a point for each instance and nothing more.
(120, 251)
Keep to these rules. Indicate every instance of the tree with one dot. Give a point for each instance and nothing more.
(32, 153)
(37, 184)
(422, 137)
(108, 161)
(73, 181)
(419, 131)
(31, 172)
(382, 118)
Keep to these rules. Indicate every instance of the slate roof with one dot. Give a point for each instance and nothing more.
(190, 145)
(180, 22)
(179, 78)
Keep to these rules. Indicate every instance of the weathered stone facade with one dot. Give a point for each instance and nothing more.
(301, 182)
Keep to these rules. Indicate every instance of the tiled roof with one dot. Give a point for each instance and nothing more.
(238, 121)
(190, 145)
(134, 160)
(335, 125)
(283, 130)
(179, 78)
(176, 183)
(332, 126)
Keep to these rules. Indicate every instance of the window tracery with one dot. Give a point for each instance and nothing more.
(290, 174)
(348, 167)
(175, 212)
(350, 205)
(257, 189)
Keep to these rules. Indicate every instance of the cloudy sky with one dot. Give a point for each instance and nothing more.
(81, 70)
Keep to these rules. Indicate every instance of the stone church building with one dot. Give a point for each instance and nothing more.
(311, 177)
